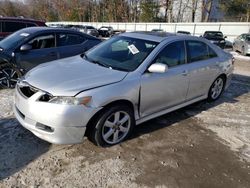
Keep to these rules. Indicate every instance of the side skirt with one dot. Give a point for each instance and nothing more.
(157, 114)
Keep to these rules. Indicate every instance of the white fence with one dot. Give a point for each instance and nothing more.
(229, 29)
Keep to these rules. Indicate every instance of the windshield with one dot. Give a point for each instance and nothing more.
(13, 40)
(214, 34)
(121, 53)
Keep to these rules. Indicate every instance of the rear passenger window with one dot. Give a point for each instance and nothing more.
(13, 26)
(43, 41)
(211, 53)
(173, 54)
(197, 51)
(69, 39)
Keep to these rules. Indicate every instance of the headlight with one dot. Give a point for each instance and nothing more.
(71, 100)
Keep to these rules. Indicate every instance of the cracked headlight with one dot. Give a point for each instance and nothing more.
(71, 100)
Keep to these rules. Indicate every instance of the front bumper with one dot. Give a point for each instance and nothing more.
(55, 123)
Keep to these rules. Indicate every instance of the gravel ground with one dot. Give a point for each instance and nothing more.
(202, 145)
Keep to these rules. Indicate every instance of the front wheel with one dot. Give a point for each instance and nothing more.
(9, 76)
(113, 126)
(216, 89)
(243, 52)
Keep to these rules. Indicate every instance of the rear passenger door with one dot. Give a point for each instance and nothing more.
(70, 44)
(43, 50)
(202, 68)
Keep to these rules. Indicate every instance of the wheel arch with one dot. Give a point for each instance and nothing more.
(113, 103)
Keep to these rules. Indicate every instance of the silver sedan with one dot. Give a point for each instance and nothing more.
(124, 81)
(242, 44)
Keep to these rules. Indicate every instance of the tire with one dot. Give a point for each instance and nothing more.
(216, 89)
(243, 50)
(9, 76)
(233, 48)
(112, 126)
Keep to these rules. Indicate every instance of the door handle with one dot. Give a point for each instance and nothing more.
(185, 73)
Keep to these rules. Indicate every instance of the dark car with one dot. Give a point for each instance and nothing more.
(30, 47)
(87, 29)
(10, 25)
(105, 31)
(216, 37)
(184, 32)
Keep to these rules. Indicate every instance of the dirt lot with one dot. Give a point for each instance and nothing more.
(202, 145)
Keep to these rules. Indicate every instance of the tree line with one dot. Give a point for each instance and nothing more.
(123, 10)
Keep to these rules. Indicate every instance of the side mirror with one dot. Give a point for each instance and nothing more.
(225, 37)
(158, 68)
(25, 47)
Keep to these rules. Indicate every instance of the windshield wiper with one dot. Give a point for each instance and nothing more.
(99, 63)
(94, 61)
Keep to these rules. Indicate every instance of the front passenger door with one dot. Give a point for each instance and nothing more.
(160, 91)
(43, 50)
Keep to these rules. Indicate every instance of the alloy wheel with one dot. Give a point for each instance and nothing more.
(217, 88)
(8, 77)
(116, 127)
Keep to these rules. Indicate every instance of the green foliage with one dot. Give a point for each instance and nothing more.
(235, 10)
(149, 11)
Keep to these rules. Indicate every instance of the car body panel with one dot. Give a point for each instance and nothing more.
(86, 76)
(163, 90)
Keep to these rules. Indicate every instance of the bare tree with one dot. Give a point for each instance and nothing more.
(206, 9)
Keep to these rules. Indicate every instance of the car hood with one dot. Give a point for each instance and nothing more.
(69, 76)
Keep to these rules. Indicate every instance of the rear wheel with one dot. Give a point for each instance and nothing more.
(113, 126)
(9, 76)
(216, 89)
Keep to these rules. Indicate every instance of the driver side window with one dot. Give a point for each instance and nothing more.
(173, 54)
(43, 41)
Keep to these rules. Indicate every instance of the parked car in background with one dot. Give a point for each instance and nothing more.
(184, 32)
(105, 31)
(242, 44)
(216, 37)
(82, 28)
(87, 29)
(9, 25)
(157, 30)
(124, 81)
(32, 46)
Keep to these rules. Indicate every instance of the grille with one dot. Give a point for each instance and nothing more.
(27, 91)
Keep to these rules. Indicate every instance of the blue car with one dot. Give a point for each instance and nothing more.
(29, 47)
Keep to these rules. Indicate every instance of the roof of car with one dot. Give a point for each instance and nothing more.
(149, 35)
(20, 19)
(37, 29)
(213, 32)
(32, 30)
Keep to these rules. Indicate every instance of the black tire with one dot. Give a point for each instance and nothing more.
(212, 94)
(99, 130)
(9, 76)
(243, 50)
